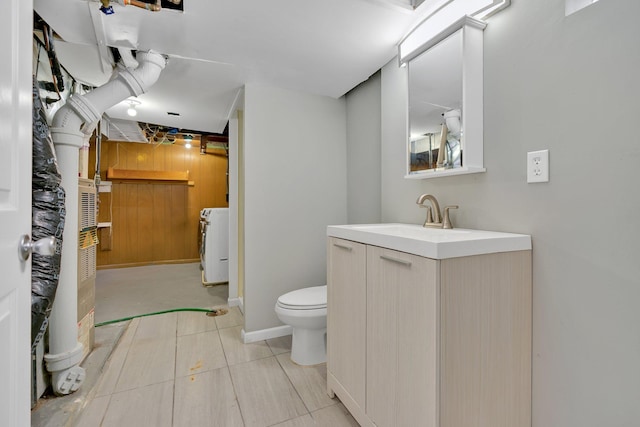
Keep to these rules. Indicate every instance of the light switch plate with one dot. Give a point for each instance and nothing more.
(538, 166)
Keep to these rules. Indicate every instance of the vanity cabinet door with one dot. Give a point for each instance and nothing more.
(402, 339)
(346, 318)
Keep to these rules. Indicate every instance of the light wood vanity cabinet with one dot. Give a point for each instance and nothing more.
(419, 342)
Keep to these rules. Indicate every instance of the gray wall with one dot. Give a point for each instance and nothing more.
(294, 186)
(363, 152)
(569, 85)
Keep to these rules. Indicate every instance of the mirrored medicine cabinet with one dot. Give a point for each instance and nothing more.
(445, 118)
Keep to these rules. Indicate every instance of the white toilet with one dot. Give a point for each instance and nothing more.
(305, 310)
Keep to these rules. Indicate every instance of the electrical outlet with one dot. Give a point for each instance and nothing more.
(538, 166)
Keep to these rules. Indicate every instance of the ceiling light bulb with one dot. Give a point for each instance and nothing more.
(131, 111)
(187, 140)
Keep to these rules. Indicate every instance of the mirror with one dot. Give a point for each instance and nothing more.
(445, 103)
(435, 90)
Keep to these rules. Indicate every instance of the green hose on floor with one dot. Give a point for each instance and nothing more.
(210, 312)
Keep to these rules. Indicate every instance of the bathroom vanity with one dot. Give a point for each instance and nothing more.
(429, 327)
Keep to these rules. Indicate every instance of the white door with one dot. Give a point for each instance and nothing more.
(15, 210)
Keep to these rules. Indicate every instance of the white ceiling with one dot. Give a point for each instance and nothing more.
(216, 46)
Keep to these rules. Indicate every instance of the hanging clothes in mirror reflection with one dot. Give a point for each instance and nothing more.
(451, 133)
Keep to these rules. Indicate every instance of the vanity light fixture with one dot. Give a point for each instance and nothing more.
(496, 6)
(434, 24)
(572, 6)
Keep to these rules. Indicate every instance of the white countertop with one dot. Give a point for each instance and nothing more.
(436, 243)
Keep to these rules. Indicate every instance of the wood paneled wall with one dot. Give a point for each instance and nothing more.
(155, 222)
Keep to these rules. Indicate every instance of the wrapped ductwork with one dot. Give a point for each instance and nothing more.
(47, 220)
(45, 166)
(48, 213)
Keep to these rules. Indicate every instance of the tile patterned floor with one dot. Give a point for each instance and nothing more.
(185, 369)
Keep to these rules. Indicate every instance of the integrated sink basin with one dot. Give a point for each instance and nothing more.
(436, 243)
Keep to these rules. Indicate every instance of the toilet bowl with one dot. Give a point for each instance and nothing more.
(305, 310)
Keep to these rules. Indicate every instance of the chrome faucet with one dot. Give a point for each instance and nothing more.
(435, 220)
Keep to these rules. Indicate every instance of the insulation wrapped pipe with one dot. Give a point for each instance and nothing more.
(48, 213)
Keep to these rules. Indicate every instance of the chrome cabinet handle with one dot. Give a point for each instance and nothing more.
(396, 260)
(347, 247)
(45, 246)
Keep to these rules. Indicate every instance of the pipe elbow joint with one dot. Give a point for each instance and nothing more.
(78, 113)
(63, 116)
(81, 112)
(142, 78)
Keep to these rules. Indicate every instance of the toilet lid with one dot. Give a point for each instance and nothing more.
(305, 299)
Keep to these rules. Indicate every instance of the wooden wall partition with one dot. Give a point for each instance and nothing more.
(155, 222)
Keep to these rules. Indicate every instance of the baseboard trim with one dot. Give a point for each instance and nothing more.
(234, 302)
(266, 334)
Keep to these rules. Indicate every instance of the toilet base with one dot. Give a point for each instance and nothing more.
(309, 346)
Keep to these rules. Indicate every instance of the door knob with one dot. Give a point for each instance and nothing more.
(45, 246)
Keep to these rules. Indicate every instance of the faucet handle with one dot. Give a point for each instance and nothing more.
(446, 222)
